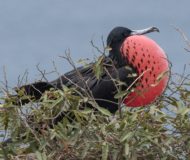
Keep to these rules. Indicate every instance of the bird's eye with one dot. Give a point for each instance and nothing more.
(124, 35)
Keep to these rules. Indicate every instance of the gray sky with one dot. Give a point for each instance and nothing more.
(38, 31)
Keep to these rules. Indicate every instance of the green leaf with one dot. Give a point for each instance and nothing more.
(121, 94)
(41, 156)
(126, 135)
(98, 67)
(105, 150)
(185, 111)
(104, 111)
(86, 111)
(126, 149)
(83, 62)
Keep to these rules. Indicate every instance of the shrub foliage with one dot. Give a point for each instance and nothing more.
(158, 131)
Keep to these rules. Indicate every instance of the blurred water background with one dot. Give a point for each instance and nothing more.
(36, 32)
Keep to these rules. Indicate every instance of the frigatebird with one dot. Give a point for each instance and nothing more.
(133, 59)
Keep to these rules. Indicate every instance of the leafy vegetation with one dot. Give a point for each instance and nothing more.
(158, 131)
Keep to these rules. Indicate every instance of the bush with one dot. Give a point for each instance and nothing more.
(158, 131)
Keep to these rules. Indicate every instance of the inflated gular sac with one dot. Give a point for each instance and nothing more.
(152, 66)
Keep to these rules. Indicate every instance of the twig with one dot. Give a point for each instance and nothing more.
(21, 79)
(68, 58)
(181, 82)
(42, 73)
(93, 45)
(184, 37)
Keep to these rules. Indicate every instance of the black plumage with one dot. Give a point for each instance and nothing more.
(84, 79)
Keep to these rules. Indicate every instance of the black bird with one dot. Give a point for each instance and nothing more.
(116, 66)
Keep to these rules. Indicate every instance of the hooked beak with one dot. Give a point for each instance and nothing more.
(144, 31)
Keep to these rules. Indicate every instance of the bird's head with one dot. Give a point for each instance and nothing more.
(118, 35)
